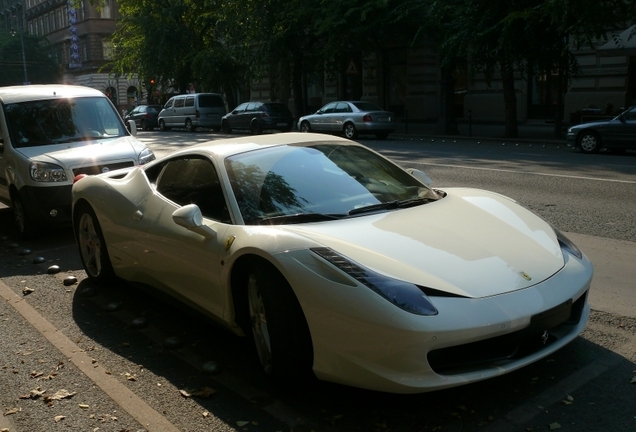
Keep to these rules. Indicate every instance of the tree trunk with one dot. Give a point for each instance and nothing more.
(510, 99)
(447, 125)
(297, 83)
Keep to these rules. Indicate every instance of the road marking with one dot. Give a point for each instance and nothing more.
(150, 419)
(532, 173)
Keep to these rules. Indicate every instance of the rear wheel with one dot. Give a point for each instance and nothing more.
(143, 125)
(225, 127)
(280, 331)
(256, 128)
(350, 131)
(590, 142)
(305, 127)
(91, 244)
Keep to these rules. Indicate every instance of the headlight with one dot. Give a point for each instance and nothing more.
(46, 172)
(567, 245)
(146, 156)
(404, 295)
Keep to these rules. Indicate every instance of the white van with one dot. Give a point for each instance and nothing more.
(48, 135)
(192, 111)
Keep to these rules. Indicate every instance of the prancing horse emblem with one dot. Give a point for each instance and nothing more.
(544, 337)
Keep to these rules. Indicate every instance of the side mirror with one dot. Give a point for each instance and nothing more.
(132, 127)
(420, 175)
(190, 218)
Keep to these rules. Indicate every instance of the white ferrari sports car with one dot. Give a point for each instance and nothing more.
(337, 262)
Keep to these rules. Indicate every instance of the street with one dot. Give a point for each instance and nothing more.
(136, 361)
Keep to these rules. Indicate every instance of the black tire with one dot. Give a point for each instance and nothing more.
(24, 224)
(144, 126)
(280, 330)
(91, 245)
(350, 131)
(188, 126)
(162, 126)
(590, 142)
(381, 135)
(305, 127)
(225, 127)
(256, 128)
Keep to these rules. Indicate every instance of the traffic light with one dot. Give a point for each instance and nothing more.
(152, 81)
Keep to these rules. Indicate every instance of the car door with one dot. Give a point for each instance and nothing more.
(624, 134)
(4, 143)
(235, 120)
(180, 261)
(322, 119)
(340, 113)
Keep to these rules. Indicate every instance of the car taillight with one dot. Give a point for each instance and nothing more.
(265, 115)
(198, 114)
(147, 115)
(367, 118)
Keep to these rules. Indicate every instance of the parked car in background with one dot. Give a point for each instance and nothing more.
(338, 262)
(257, 117)
(48, 135)
(616, 134)
(144, 116)
(350, 119)
(192, 111)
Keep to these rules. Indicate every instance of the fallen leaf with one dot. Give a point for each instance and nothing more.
(27, 290)
(242, 423)
(59, 395)
(130, 377)
(205, 414)
(185, 393)
(554, 426)
(84, 406)
(59, 418)
(35, 374)
(11, 411)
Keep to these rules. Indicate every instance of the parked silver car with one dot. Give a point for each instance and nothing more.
(349, 118)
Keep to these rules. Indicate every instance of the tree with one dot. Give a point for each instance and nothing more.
(38, 60)
(502, 37)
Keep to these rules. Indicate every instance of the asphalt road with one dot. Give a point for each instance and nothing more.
(138, 362)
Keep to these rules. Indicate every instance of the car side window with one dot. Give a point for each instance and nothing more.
(342, 108)
(178, 103)
(251, 106)
(327, 109)
(189, 101)
(169, 103)
(194, 180)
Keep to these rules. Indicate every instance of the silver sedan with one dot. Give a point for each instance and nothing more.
(350, 119)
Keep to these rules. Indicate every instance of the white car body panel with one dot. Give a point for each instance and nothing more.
(500, 269)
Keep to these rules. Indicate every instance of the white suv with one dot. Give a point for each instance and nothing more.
(48, 135)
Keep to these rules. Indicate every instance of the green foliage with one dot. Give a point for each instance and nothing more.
(38, 58)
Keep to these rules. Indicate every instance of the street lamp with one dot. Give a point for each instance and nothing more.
(26, 79)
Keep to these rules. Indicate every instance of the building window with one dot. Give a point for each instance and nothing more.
(106, 10)
(107, 50)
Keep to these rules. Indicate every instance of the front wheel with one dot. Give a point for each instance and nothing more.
(590, 142)
(162, 126)
(188, 125)
(225, 127)
(91, 244)
(281, 335)
(23, 223)
(350, 131)
(305, 127)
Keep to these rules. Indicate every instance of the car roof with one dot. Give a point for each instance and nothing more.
(231, 146)
(15, 94)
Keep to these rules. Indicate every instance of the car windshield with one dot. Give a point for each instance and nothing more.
(319, 182)
(56, 121)
(367, 106)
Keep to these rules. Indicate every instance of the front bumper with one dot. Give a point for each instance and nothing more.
(47, 205)
(362, 340)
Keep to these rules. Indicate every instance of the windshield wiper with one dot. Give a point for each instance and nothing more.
(391, 205)
(412, 202)
(298, 218)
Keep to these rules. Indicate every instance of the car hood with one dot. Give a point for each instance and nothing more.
(86, 152)
(596, 124)
(471, 243)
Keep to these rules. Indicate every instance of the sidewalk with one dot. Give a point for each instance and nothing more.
(537, 131)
